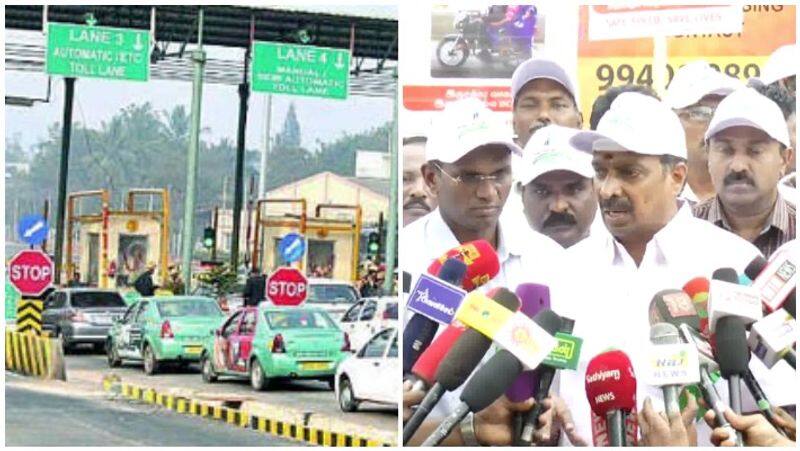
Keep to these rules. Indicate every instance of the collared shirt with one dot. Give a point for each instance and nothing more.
(780, 227)
(611, 296)
(525, 257)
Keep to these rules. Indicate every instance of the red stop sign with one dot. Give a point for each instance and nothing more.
(31, 272)
(287, 286)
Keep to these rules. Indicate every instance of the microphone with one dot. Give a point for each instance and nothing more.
(775, 281)
(681, 368)
(733, 357)
(772, 338)
(457, 365)
(420, 330)
(728, 298)
(674, 307)
(428, 362)
(490, 381)
(481, 260)
(611, 391)
(697, 289)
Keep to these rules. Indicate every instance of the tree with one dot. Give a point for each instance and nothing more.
(289, 137)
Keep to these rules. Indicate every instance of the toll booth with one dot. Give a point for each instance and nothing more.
(108, 248)
(332, 235)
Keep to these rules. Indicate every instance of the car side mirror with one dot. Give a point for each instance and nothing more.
(216, 332)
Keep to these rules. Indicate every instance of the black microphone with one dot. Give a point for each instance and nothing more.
(764, 406)
(420, 330)
(733, 356)
(457, 365)
(546, 376)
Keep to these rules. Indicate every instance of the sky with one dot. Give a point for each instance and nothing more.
(98, 100)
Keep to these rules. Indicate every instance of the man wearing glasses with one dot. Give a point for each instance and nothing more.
(694, 94)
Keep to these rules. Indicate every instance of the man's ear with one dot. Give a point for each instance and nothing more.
(580, 120)
(679, 175)
(430, 174)
(786, 159)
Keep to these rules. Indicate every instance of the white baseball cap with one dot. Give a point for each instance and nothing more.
(549, 150)
(636, 123)
(746, 107)
(540, 67)
(463, 126)
(696, 80)
(781, 64)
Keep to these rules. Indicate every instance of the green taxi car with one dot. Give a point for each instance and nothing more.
(161, 330)
(266, 343)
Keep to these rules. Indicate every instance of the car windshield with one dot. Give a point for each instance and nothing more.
(91, 299)
(188, 307)
(331, 294)
(298, 319)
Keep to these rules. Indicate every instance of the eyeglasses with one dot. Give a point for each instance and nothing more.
(474, 180)
(699, 113)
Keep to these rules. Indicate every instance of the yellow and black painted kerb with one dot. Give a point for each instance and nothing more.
(240, 418)
(29, 316)
(29, 354)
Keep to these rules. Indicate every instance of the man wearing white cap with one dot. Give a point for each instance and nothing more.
(748, 152)
(555, 182)
(693, 94)
(653, 242)
(781, 67)
(543, 93)
(468, 168)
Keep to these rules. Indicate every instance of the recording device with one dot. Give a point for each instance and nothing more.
(489, 382)
(420, 330)
(733, 357)
(728, 298)
(457, 365)
(481, 260)
(697, 289)
(775, 281)
(672, 364)
(611, 391)
(773, 337)
(427, 364)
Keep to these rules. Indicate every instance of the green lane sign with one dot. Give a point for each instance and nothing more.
(301, 70)
(98, 52)
(11, 299)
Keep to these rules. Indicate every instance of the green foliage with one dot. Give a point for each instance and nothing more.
(221, 279)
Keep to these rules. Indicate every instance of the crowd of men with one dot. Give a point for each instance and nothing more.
(648, 194)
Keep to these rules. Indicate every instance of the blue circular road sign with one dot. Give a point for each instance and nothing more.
(32, 229)
(292, 247)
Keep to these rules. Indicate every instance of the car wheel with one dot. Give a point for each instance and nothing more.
(99, 347)
(150, 362)
(113, 358)
(258, 380)
(347, 399)
(207, 369)
(331, 382)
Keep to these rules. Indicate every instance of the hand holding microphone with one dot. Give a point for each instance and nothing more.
(755, 430)
(671, 429)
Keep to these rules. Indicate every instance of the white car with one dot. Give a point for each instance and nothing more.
(367, 316)
(333, 296)
(371, 374)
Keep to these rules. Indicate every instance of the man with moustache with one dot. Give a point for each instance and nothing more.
(694, 94)
(748, 153)
(555, 183)
(417, 198)
(652, 242)
(468, 168)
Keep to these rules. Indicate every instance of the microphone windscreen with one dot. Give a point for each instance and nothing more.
(755, 267)
(610, 383)
(533, 298)
(452, 271)
(429, 361)
(470, 348)
(732, 352)
(548, 320)
(727, 275)
(664, 334)
(696, 285)
(481, 260)
(674, 307)
(491, 380)
(417, 335)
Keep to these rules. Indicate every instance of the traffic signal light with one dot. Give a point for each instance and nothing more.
(209, 237)
(373, 244)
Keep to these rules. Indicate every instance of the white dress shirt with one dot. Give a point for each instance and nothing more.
(611, 297)
(525, 256)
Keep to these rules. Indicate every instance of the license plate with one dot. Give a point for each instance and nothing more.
(193, 349)
(314, 366)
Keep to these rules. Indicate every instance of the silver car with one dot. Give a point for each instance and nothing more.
(334, 296)
(82, 315)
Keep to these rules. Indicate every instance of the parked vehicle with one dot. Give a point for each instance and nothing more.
(267, 342)
(334, 296)
(81, 315)
(162, 330)
(368, 316)
(370, 374)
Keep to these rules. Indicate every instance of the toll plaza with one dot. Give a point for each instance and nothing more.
(108, 248)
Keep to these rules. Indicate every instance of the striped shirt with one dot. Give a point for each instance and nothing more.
(779, 229)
